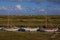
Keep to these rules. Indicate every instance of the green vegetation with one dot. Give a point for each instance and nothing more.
(30, 21)
(4, 35)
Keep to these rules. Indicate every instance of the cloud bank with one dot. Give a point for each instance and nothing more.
(30, 7)
(18, 9)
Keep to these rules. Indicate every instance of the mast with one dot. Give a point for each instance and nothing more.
(8, 19)
(46, 18)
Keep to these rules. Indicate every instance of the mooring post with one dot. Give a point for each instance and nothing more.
(53, 36)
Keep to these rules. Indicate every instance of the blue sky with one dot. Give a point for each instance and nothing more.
(29, 7)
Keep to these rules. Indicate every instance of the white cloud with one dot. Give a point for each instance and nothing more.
(19, 7)
(6, 9)
(0, 8)
(57, 9)
(3, 8)
(42, 10)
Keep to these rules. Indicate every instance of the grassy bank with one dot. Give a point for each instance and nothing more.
(26, 36)
(30, 21)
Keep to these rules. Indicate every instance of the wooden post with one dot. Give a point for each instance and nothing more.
(53, 36)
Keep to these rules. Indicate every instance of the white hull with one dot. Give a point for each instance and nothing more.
(11, 29)
(53, 30)
(31, 29)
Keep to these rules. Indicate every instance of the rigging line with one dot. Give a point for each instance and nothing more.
(46, 19)
(8, 19)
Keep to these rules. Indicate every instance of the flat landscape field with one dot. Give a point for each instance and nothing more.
(4, 35)
(30, 21)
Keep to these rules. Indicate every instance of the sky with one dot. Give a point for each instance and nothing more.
(29, 7)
